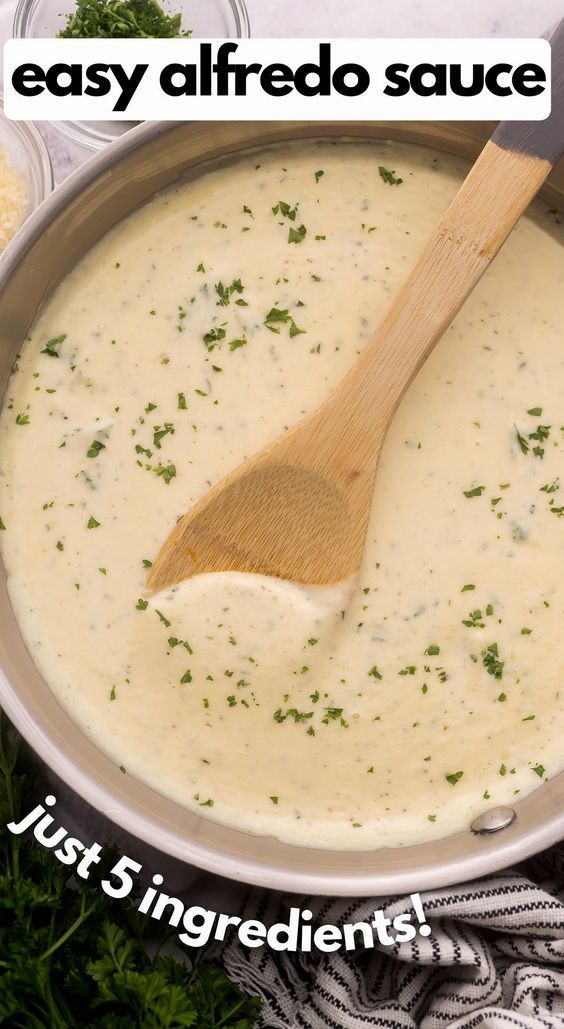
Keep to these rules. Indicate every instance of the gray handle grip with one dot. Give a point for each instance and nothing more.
(543, 139)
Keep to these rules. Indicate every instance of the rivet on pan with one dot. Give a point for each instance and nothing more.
(493, 820)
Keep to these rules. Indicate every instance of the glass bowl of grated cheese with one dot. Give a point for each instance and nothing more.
(26, 175)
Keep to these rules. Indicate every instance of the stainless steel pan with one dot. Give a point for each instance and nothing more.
(55, 238)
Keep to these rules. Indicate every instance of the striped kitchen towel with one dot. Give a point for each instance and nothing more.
(494, 959)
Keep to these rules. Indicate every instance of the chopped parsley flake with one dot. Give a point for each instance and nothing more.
(213, 337)
(165, 472)
(160, 431)
(95, 448)
(285, 210)
(226, 292)
(522, 441)
(389, 176)
(492, 664)
(276, 317)
(297, 235)
(53, 346)
(474, 620)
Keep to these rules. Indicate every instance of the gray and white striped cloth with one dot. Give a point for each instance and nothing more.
(494, 960)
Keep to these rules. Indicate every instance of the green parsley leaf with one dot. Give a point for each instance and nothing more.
(104, 964)
(389, 176)
(522, 441)
(226, 292)
(492, 664)
(297, 235)
(53, 346)
(95, 448)
(160, 431)
(285, 210)
(119, 19)
(166, 472)
(213, 337)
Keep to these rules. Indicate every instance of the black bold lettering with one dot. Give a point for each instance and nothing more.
(322, 71)
(71, 88)
(186, 73)
(492, 79)
(437, 88)
(127, 83)
(397, 79)
(474, 87)
(97, 75)
(28, 79)
(529, 80)
(275, 78)
(362, 79)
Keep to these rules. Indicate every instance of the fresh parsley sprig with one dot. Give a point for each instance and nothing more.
(72, 958)
(121, 19)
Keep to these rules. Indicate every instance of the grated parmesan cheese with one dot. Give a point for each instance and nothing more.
(13, 200)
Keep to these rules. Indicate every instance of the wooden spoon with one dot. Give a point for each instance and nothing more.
(299, 508)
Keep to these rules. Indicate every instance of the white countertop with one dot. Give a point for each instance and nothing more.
(396, 18)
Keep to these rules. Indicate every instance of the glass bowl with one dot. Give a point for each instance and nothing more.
(205, 18)
(27, 153)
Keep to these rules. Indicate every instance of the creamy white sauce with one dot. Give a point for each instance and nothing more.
(320, 718)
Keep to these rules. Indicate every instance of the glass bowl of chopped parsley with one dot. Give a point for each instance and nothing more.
(114, 19)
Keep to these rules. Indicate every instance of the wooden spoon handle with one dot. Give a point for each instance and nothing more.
(490, 201)
(507, 175)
